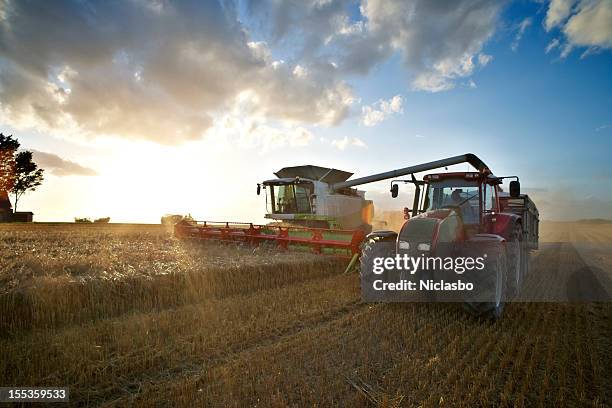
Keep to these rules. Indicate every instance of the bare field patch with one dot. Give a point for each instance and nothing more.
(591, 232)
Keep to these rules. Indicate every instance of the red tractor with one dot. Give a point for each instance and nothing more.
(454, 211)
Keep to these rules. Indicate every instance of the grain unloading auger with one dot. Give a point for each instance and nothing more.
(314, 208)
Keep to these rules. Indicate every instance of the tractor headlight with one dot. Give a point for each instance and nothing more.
(404, 245)
(424, 247)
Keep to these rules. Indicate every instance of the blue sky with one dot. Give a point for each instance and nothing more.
(541, 115)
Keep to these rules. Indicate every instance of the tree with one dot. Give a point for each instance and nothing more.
(27, 175)
(8, 147)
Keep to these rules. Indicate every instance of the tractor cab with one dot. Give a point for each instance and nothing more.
(471, 194)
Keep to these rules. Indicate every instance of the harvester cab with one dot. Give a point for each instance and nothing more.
(301, 196)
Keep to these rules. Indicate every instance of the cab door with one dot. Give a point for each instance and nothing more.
(489, 206)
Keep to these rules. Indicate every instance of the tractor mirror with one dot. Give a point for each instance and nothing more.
(394, 190)
(515, 188)
(258, 189)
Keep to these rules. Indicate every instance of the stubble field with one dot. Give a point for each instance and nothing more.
(127, 315)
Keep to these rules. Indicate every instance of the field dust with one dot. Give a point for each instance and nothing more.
(128, 315)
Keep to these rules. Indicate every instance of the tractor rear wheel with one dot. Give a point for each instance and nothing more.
(516, 260)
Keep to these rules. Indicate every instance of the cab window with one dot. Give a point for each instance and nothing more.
(302, 198)
(488, 198)
(291, 198)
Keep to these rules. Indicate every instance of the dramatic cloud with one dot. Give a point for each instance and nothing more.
(585, 23)
(149, 70)
(558, 11)
(381, 110)
(171, 71)
(60, 167)
(439, 41)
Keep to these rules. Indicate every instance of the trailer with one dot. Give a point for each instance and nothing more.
(524, 207)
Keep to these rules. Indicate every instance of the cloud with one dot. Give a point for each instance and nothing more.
(245, 126)
(558, 11)
(60, 167)
(586, 23)
(343, 143)
(439, 42)
(552, 45)
(381, 110)
(169, 71)
(157, 71)
(523, 25)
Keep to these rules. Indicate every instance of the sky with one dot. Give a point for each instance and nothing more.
(140, 108)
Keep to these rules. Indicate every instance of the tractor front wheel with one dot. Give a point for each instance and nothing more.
(372, 248)
(495, 286)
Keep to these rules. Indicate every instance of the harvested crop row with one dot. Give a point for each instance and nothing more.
(311, 366)
(85, 276)
(104, 360)
(540, 353)
(419, 354)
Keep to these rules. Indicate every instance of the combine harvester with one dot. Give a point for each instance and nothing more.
(309, 213)
(318, 209)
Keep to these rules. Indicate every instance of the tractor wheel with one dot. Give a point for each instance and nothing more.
(496, 283)
(516, 261)
(375, 247)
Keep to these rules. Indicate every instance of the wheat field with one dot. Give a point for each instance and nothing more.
(128, 315)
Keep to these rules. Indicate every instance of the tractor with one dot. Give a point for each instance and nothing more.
(455, 211)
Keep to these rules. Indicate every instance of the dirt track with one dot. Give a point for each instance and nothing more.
(314, 343)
